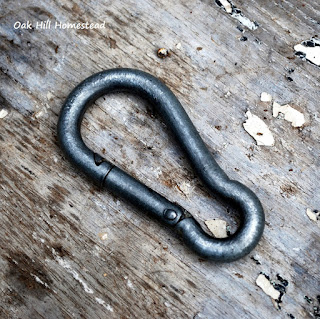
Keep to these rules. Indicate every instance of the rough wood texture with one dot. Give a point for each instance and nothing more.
(55, 260)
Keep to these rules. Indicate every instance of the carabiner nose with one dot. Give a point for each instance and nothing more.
(116, 180)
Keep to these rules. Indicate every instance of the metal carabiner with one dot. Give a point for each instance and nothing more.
(116, 180)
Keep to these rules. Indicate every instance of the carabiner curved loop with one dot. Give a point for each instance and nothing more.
(105, 174)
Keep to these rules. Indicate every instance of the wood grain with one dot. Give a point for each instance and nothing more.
(54, 263)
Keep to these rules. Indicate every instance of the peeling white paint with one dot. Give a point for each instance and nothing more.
(310, 50)
(257, 258)
(258, 130)
(157, 171)
(227, 5)
(290, 114)
(236, 13)
(35, 236)
(3, 113)
(108, 307)
(178, 46)
(265, 97)
(103, 303)
(66, 265)
(263, 282)
(251, 25)
(185, 188)
(38, 114)
(100, 301)
(38, 280)
(314, 216)
(129, 284)
(50, 96)
(99, 203)
(217, 227)
(227, 94)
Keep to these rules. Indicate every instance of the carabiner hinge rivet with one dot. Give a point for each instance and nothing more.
(170, 214)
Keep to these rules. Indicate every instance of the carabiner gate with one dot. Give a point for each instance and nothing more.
(120, 183)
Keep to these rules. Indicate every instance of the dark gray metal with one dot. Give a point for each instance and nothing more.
(105, 174)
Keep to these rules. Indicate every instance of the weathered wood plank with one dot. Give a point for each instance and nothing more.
(55, 263)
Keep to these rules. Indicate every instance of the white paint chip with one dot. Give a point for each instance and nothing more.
(312, 214)
(251, 25)
(38, 280)
(103, 303)
(227, 5)
(100, 301)
(103, 236)
(3, 113)
(265, 97)
(129, 284)
(157, 171)
(50, 96)
(38, 114)
(178, 46)
(290, 114)
(263, 282)
(310, 50)
(258, 130)
(217, 227)
(66, 265)
(227, 94)
(237, 14)
(185, 188)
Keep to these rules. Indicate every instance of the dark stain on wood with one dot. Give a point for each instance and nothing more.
(191, 284)
(112, 43)
(27, 275)
(58, 193)
(288, 190)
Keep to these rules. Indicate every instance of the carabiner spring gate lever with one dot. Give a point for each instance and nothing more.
(120, 183)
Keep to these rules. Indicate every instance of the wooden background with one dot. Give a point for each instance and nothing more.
(71, 250)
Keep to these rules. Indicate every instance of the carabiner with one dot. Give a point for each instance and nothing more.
(120, 183)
